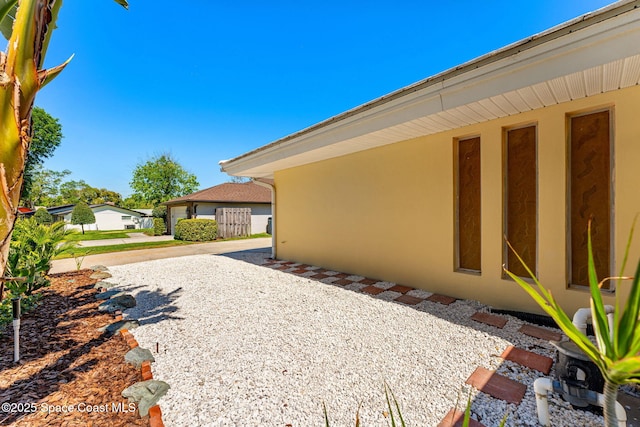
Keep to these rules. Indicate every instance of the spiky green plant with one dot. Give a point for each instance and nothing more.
(32, 248)
(28, 25)
(616, 351)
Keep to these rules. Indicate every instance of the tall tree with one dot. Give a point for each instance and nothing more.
(28, 25)
(45, 187)
(79, 191)
(82, 214)
(46, 137)
(161, 178)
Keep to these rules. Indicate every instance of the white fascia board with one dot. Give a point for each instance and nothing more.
(613, 39)
(588, 48)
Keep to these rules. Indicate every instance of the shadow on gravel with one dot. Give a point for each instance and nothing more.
(253, 256)
(158, 306)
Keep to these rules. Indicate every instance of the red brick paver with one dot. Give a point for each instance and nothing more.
(544, 334)
(528, 359)
(409, 300)
(373, 290)
(497, 386)
(342, 282)
(489, 319)
(454, 419)
(400, 288)
(441, 299)
(367, 281)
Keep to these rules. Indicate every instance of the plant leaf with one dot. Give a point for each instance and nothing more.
(598, 312)
(326, 417)
(8, 10)
(123, 3)
(629, 331)
(46, 76)
(467, 412)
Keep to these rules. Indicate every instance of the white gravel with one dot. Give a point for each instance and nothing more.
(245, 345)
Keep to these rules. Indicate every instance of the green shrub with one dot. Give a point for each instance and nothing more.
(196, 230)
(43, 217)
(159, 212)
(32, 247)
(158, 227)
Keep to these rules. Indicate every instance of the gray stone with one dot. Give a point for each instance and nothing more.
(115, 327)
(98, 268)
(106, 285)
(146, 394)
(109, 294)
(125, 300)
(100, 275)
(138, 355)
(121, 302)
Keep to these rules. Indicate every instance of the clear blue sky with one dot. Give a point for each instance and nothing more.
(209, 80)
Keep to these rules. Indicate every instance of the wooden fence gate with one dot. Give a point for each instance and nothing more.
(233, 222)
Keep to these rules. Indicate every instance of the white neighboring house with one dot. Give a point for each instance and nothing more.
(108, 217)
(203, 204)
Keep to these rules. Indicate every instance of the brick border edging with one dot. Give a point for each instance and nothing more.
(155, 414)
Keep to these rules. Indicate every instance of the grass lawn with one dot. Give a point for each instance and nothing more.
(102, 235)
(95, 250)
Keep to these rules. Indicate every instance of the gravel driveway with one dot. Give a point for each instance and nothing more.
(245, 345)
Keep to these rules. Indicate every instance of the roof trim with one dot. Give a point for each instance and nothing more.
(433, 86)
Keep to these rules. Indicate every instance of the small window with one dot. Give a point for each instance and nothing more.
(590, 194)
(126, 217)
(467, 209)
(520, 199)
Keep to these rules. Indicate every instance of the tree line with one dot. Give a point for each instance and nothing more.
(156, 180)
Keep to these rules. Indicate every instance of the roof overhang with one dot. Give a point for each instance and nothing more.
(595, 53)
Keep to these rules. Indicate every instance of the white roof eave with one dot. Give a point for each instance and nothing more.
(451, 99)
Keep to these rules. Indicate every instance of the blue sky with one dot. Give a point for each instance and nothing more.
(208, 80)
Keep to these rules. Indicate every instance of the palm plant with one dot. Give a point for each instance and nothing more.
(616, 349)
(32, 248)
(28, 25)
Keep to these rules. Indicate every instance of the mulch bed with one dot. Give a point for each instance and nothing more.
(65, 360)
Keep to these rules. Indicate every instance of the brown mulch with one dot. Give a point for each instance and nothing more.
(65, 360)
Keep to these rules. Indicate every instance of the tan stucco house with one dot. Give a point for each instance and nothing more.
(203, 204)
(420, 186)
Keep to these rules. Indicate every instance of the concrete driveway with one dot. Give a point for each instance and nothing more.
(128, 257)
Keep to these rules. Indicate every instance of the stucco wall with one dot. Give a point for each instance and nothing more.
(388, 212)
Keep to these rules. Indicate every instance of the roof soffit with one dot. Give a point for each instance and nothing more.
(596, 59)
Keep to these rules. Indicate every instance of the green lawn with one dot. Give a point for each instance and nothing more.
(102, 235)
(95, 250)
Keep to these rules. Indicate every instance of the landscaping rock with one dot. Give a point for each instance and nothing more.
(109, 294)
(112, 328)
(138, 355)
(100, 275)
(98, 268)
(146, 394)
(106, 285)
(121, 302)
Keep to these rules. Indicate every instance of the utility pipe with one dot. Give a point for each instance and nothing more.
(621, 414)
(16, 328)
(542, 386)
(583, 315)
(273, 213)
